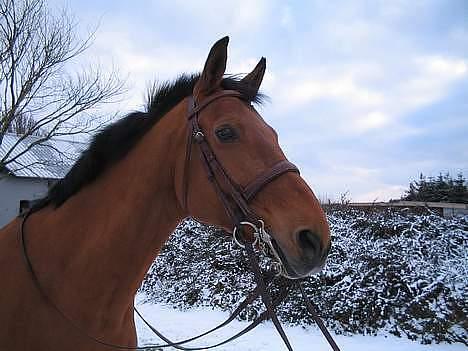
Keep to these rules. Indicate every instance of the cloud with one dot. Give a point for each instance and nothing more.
(342, 88)
(363, 122)
(142, 65)
(145, 54)
(352, 86)
(448, 68)
(372, 120)
(431, 80)
(332, 181)
(365, 100)
(287, 18)
(384, 192)
(233, 17)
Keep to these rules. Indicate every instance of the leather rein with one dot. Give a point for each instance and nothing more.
(235, 200)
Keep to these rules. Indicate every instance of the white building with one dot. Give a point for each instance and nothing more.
(30, 175)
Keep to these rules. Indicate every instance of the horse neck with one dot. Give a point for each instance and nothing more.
(99, 244)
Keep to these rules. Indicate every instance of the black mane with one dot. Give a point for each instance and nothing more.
(114, 141)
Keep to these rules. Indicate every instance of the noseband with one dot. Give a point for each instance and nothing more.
(234, 197)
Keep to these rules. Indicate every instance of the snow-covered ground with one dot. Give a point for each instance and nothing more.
(178, 325)
(389, 270)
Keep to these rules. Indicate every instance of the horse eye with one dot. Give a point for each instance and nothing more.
(226, 133)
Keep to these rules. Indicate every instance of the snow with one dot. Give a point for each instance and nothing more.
(177, 325)
(389, 271)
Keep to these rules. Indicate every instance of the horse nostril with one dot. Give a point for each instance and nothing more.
(310, 242)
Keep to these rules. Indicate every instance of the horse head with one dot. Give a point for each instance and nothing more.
(245, 147)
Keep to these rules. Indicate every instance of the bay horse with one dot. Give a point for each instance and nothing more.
(93, 237)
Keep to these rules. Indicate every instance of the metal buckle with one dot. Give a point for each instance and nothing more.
(198, 136)
(262, 237)
(238, 242)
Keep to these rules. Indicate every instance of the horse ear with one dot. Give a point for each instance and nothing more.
(213, 71)
(254, 78)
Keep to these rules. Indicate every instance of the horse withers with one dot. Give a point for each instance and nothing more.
(93, 237)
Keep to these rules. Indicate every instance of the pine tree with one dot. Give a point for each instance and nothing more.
(443, 188)
(460, 190)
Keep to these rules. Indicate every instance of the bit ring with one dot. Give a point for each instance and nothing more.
(237, 241)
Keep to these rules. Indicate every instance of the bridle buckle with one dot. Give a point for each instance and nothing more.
(264, 240)
(252, 226)
(198, 136)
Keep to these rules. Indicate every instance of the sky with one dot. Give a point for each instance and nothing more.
(365, 95)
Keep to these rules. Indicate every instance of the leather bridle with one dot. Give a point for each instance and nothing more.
(234, 197)
(235, 200)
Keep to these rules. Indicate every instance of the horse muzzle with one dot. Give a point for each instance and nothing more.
(312, 258)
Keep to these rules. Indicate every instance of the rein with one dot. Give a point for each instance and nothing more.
(235, 200)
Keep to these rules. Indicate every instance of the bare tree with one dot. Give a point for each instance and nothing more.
(39, 93)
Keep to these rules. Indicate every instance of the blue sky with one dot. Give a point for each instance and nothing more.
(365, 95)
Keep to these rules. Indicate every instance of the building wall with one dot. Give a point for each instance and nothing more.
(451, 212)
(13, 190)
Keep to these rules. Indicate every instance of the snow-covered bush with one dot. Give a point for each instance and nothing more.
(388, 269)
